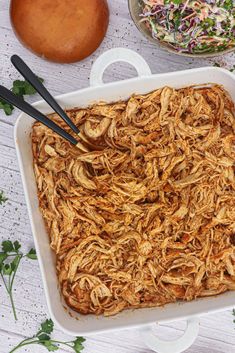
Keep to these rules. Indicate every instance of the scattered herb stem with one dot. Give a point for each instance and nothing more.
(11, 281)
(9, 266)
(8, 288)
(42, 338)
(41, 342)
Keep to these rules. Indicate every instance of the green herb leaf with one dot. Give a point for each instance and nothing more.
(47, 326)
(51, 347)
(8, 108)
(32, 254)
(22, 88)
(43, 337)
(3, 199)
(228, 4)
(15, 263)
(3, 257)
(7, 246)
(7, 270)
(17, 245)
(78, 346)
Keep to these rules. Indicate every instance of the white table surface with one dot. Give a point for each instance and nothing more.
(217, 331)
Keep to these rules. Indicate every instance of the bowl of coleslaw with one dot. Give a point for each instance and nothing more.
(202, 28)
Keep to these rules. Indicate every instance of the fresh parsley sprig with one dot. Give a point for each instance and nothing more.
(8, 108)
(20, 88)
(3, 198)
(10, 258)
(24, 88)
(44, 339)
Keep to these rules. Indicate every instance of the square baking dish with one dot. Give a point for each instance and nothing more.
(78, 324)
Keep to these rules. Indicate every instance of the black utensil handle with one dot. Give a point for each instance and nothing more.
(28, 74)
(18, 102)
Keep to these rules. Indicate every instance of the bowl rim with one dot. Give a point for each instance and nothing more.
(167, 47)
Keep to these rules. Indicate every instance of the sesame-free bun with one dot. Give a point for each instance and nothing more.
(60, 30)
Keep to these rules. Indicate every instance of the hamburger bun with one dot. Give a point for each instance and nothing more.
(63, 31)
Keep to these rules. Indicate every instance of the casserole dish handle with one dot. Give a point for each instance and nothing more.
(113, 55)
(177, 346)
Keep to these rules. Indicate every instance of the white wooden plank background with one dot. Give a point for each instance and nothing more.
(217, 331)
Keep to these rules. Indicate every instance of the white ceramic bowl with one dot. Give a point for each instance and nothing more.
(141, 318)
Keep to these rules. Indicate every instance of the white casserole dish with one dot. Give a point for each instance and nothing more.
(145, 82)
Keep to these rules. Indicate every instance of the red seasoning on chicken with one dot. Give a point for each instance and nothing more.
(147, 216)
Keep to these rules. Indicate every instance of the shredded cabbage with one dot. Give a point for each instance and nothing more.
(191, 26)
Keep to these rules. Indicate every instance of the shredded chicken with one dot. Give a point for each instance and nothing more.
(146, 216)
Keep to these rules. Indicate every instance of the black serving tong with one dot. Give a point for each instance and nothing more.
(28, 74)
(19, 102)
